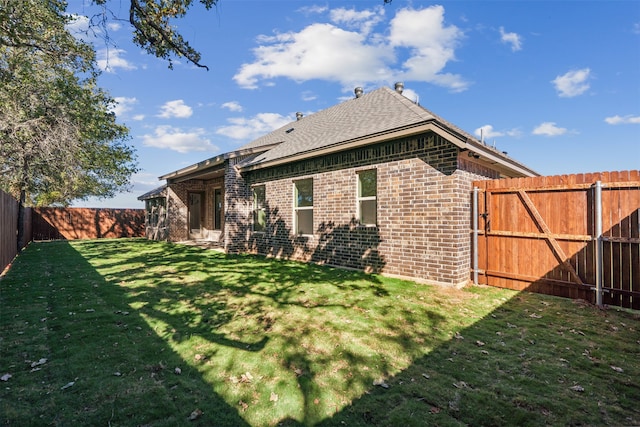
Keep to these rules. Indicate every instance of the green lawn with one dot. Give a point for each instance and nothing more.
(140, 333)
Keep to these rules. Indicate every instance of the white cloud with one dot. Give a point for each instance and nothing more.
(636, 28)
(620, 120)
(248, 129)
(175, 109)
(364, 21)
(549, 129)
(79, 28)
(178, 140)
(123, 105)
(511, 38)
(487, 132)
(349, 51)
(110, 59)
(572, 83)
(320, 51)
(309, 96)
(82, 27)
(411, 94)
(114, 26)
(312, 10)
(138, 117)
(232, 106)
(431, 43)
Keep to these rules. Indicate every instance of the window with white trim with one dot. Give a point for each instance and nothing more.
(259, 213)
(367, 197)
(303, 206)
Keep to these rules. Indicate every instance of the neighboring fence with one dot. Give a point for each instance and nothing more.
(562, 235)
(63, 223)
(86, 223)
(8, 227)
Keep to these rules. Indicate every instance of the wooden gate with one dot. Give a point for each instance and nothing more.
(543, 235)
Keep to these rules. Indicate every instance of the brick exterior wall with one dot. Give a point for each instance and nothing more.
(423, 210)
(237, 201)
(423, 207)
(178, 208)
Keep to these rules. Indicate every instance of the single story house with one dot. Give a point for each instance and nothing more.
(376, 183)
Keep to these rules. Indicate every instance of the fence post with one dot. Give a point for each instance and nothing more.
(598, 236)
(475, 235)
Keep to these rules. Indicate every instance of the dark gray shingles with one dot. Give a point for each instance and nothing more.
(379, 111)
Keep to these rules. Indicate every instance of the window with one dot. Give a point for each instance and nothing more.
(259, 213)
(217, 209)
(304, 206)
(156, 212)
(367, 197)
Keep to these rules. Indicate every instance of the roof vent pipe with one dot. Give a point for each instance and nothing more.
(358, 91)
(299, 115)
(399, 87)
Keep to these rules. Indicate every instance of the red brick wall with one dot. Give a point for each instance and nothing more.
(423, 211)
(177, 207)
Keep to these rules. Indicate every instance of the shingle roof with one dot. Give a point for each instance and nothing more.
(378, 111)
(375, 116)
(156, 192)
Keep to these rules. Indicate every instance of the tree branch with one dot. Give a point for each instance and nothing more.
(136, 9)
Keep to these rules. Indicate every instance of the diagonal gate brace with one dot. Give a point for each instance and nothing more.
(544, 228)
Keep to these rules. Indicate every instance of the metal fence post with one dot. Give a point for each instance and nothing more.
(475, 235)
(598, 235)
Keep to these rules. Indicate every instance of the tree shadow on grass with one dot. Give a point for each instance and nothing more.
(268, 333)
(79, 355)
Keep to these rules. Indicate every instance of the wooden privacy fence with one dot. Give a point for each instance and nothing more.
(86, 223)
(9, 228)
(575, 236)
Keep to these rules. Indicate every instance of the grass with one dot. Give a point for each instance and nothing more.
(92, 332)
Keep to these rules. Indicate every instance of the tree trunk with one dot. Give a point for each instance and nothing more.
(21, 236)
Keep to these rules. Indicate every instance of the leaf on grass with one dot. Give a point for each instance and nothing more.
(195, 414)
(5, 377)
(274, 397)
(67, 385)
(243, 405)
(117, 374)
(577, 388)
(435, 410)
(381, 383)
(617, 369)
(535, 316)
(479, 343)
(39, 362)
(426, 376)
(177, 371)
(458, 336)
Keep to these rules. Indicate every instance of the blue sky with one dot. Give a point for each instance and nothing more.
(556, 84)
